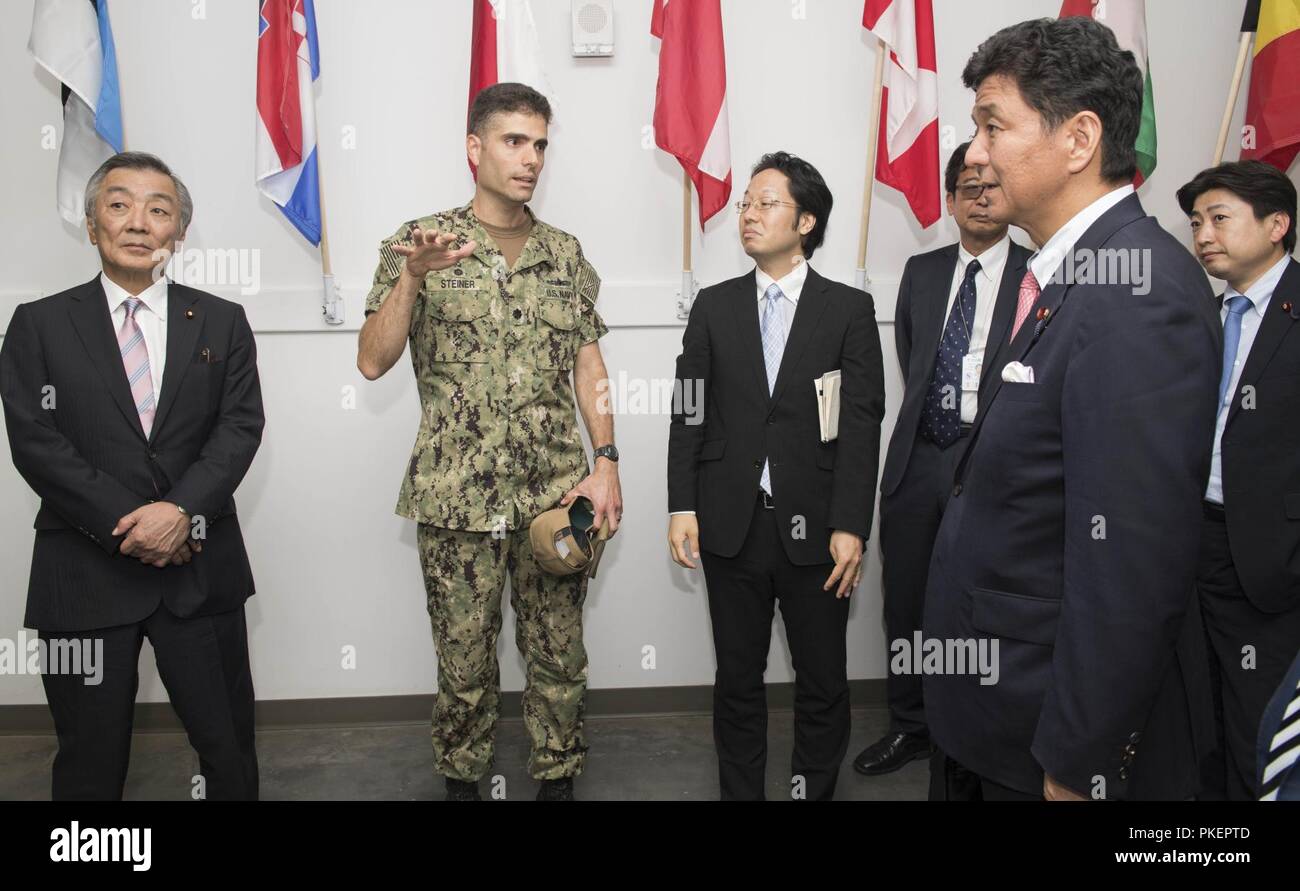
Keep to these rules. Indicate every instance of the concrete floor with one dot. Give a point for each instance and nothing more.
(630, 758)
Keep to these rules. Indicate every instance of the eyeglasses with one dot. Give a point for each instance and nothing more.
(763, 204)
(973, 191)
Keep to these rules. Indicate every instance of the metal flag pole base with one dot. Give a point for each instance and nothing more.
(686, 295)
(331, 302)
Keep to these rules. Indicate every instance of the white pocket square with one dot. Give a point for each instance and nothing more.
(1016, 373)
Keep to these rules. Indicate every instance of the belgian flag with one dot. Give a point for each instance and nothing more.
(1273, 103)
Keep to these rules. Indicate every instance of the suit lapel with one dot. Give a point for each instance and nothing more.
(1029, 332)
(1049, 304)
(182, 334)
(745, 295)
(1004, 311)
(933, 292)
(807, 314)
(1272, 329)
(94, 325)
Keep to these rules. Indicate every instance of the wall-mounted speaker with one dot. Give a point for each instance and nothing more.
(593, 27)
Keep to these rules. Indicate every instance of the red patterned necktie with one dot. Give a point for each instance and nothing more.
(1029, 292)
(135, 358)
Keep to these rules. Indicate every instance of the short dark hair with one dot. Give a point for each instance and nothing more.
(1265, 188)
(504, 98)
(1063, 67)
(808, 190)
(138, 161)
(953, 171)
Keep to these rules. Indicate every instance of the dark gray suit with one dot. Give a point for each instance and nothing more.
(918, 473)
(1071, 537)
(86, 455)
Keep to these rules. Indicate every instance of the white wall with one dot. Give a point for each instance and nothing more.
(334, 565)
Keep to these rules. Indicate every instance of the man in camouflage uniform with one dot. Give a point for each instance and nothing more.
(498, 308)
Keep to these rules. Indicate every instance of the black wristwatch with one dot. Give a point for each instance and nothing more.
(608, 451)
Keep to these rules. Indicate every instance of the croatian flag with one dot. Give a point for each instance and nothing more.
(288, 61)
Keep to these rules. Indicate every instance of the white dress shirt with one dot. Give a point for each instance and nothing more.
(1259, 294)
(987, 281)
(791, 285)
(1049, 257)
(151, 316)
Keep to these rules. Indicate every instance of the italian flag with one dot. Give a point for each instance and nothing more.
(1128, 19)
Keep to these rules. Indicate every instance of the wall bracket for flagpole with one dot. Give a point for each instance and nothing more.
(332, 302)
(686, 295)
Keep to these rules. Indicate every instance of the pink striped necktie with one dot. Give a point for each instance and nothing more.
(135, 358)
(1029, 292)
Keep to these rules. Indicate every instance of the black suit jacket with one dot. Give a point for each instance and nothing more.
(1260, 456)
(919, 320)
(1072, 533)
(715, 461)
(87, 457)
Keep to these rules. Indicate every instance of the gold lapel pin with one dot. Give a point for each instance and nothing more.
(1043, 312)
(189, 313)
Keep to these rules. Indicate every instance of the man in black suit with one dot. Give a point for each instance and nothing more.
(1243, 228)
(133, 410)
(1068, 547)
(954, 311)
(780, 514)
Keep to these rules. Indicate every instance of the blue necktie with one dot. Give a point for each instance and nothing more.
(1237, 306)
(939, 423)
(773, 326)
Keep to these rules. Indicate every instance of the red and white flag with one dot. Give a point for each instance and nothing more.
(691, 99)
(907, 155)
(504, 49)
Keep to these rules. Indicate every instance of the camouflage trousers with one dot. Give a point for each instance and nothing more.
(464, 573)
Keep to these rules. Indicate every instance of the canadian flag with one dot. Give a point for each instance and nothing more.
(504, 49)
(907, 156)
(690, 119)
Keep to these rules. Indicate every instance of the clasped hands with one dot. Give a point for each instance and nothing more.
(157, 534)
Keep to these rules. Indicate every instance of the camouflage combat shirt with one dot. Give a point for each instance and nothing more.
(492, 350)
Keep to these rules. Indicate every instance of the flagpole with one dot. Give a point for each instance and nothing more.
(1243, 50)
(686, 296)
(331, 299)
(873, 135)
(686, 221)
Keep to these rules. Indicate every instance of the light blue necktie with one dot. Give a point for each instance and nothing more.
(773, 346)
(1237, 307)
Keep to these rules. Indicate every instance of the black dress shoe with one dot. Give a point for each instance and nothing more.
(556, 790)
(461, 790)
(891, 752)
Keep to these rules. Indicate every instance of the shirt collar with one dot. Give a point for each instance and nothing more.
(993, 257)
(791, 284)
(1260, 292)
(537, 248)
(154, 296)
(1047, 260)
